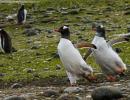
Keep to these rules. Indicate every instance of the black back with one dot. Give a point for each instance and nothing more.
(20, 14)
(6, 41)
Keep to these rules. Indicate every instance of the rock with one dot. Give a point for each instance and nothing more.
(49, 36)
(16, 85)
(46, 69)
(2, 74)
(64, 12)
(58, 67)
(27, 26)
(127, 13)
(128, 29)
(107, 92)
(50, 8)
(118, 50)
(29, 70)
(49, 31)
(32, 31)
(49, 20)
(28, 96)
(14, 98)
(73, 90)
(50, 93)
(74, 11)
(127, 8)
(35, 46)
(69, 97)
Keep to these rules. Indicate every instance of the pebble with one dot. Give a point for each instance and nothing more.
(73, 90)
(14, 98)
(31, 31)
(50, 93)
(58, 67)
(16, 85)
(69, 97)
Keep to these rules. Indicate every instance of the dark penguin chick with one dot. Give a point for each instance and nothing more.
(107, 93)
(5, 42)
(21, 16)
(100, 30)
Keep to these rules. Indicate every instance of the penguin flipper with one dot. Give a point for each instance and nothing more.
(87, 54)
(118, 40)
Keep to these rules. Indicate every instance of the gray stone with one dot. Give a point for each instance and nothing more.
(64, 12)
(73, 90)
(127, 13)
(69, 97)
(2, 74)
(32, 31)
(58, 67)
(50, 93)
(35, 46)
(107, 92)
(29, 70)
(74, 11)
(14, 98)
(16, 85)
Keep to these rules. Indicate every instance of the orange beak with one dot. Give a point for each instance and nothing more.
(56, 30)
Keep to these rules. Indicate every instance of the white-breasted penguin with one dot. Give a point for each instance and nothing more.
(109, 61)
(5, 42)
(21, 16)
(71, 59)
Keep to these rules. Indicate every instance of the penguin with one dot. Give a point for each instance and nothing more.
(21, 16)
(70, 57)
(5, 42)
(109, 61)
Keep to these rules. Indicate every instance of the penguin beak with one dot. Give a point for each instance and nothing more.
(93, 28)
(56, 30)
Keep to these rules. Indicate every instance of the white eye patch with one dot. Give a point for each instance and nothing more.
(65, 27)
(101, 26)
(0, 29)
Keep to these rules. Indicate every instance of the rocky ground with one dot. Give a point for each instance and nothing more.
(59, 89)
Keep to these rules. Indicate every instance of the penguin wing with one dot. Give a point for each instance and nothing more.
(119, 40)
(88, 53)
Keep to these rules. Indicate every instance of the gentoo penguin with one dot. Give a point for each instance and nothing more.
(109, 61)
(5, 42)
(70, 57)
(21, 16)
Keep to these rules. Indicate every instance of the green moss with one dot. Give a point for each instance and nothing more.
(14, 65)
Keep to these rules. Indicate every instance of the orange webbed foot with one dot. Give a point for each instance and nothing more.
(111, 78)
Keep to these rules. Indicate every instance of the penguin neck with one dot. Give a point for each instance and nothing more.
(65, 36)
(101, 35)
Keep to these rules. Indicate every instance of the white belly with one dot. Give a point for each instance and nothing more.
(70, 57)
(105, 56)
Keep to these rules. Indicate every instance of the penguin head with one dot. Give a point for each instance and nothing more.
(22, 7)
(100, 30)
(64, 30)
(2, 31)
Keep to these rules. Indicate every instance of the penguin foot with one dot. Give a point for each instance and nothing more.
(74, 85)
(91, 78)
(111, 78)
